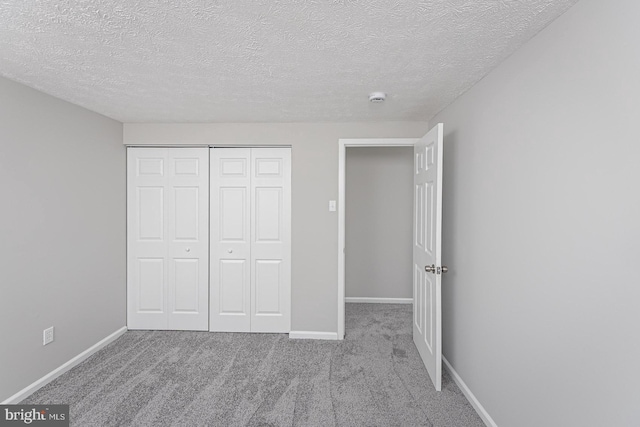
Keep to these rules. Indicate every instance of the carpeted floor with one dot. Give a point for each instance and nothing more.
(155, 378)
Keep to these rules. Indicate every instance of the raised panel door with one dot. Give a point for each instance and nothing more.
(146, 239)
(270, 240)
(427, 326)
(188, 230)
(167, 220)
(230, 251)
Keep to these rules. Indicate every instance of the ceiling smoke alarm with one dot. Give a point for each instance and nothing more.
(377, 97)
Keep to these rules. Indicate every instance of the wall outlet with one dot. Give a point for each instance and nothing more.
(47, 336)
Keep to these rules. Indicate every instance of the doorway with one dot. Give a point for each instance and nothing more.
(344, 144)
(379, 225)
(426, 240)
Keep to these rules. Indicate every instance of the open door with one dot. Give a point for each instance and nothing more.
(427, 242)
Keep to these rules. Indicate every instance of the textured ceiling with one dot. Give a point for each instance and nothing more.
(262, 61)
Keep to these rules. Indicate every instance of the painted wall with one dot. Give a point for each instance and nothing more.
(542, 226)
(379, 222)
(62, 228)
(314, 170)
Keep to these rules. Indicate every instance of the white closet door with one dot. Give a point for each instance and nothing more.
(147, 182)
(270, 239)
(230, 299)
(167, 238)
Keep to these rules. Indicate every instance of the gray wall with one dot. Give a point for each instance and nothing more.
(379, 222)
(314, 170)
(62, 228)
(542, 226)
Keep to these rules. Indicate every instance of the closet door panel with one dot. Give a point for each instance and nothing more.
(185, 215)
(150, 285)
(188, 230)
(268, 215)
(146, 239)
(167, 242)
(230, 240)
(232, 297)
(150, 205)
(268, 287)
(233, 212)
(186, 290)
(271, 240)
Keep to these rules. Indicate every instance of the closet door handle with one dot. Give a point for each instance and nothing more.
(230, 251)
(188, 250)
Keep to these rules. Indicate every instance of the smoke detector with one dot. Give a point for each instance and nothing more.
(377, 97)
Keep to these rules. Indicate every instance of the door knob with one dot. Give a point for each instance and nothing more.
(436, 270)
(188, 250)
(230, 251)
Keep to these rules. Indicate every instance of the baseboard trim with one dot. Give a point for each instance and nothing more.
(30, 389)
(470, 396)
(313, 335)
(379, 300)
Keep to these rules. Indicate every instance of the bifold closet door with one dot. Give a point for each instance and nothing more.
(167, 238)
(270, 240)
(230, 298)
(250, 240)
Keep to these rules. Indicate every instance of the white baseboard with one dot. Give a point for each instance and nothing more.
(30, 389)
(313, 335)
(379, 300)
(470, 396)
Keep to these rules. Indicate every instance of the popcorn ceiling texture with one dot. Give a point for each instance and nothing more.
(262, 61)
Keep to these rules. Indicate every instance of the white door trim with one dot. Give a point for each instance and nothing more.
(342, 156)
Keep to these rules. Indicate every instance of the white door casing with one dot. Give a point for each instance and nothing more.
(167, 238)
(427, 316)
(342, 154)
(250, 240)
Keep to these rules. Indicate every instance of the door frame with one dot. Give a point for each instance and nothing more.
(343, 143)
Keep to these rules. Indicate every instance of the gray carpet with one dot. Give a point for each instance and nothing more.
(155, 378)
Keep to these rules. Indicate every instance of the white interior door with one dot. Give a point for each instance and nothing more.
(230, 299)
(167, 238)
(427, 267)
(270, 239)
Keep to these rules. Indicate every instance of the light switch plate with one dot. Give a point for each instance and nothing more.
(47, 336)
(332, 205)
